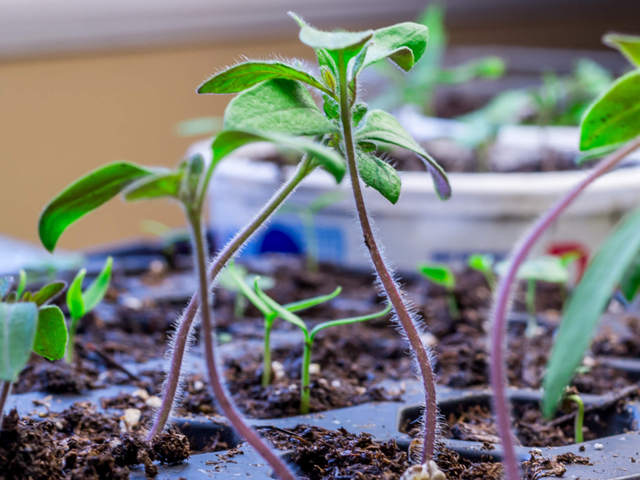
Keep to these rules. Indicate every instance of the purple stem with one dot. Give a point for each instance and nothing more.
(501, 305)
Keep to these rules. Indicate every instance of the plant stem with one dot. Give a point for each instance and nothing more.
(454, 310)
(501, 303)
(4, 394)
(390, 287)
(185, 324)
(71, 342)
(220, 393)
(578, 437)
(266, 367)
(305, 382)
(530, 300)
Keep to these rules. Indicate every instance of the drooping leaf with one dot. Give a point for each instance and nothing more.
(382, 128)
(403, 43)
(282, 312)
(629, 45)
(83, 196)
(614, 118)
(18, 323)
(75, 302)
(584, 308)
(283, 106)
(228, 141)
(247, 74)
(93, 295)
(438, 273)
(48, 293)
(379, 175)
(51, 334)
(163, 184)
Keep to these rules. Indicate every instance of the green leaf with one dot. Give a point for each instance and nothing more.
(379, 175)
(83, 196)
(546, 268)
(584, 308)
(439, 274)
(93, 295)
(481, 263)
(312, 302)
(629, 45)
(238, 275)
(403, 44)
(163, 184)
(48, 293)
(382, 128)
(247, 74)
(22, 283)
(282, 106)
(279, 309)
(348, 321)
(18, 323)
(51, 334)
(75, 302)
(614, 118)
(228, 141)
(630, 283)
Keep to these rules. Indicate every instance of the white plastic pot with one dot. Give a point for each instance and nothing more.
(488, 212)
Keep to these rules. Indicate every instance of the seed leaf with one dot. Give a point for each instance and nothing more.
(75, 302)
(614, 118)
(247, 74)
(83, 196)
(381, 127)
(403, 44)
(48, 293)
(51, 334)
(629, 45)
(439, 274)
(584, 308)
(18, 323)
(162, 184)
(379, 175)
(93, 295)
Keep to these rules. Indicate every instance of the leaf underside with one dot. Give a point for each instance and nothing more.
(379, 175)
(18, 323)
(51, 335)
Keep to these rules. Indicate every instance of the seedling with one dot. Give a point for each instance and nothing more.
(484, 264)
(27, 324)
(286, 313)
(612, 123)
(574, 397)
(234, 278)
(81, 302)
(442, 275)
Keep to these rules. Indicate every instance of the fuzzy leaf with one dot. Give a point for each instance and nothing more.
(18, 322)
(614, 118)
(629, 45)
(283, 106)
(93, 295)
(75, 302)
(51, 334)
(403, 44)
(83, 196)
(162, 184)
(382, 128)
(588, 301)
(379, 175)
(228, 141)
(48, 293)
(247, 74)
(439, 274)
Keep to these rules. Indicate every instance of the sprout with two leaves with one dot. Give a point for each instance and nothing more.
(443, 275)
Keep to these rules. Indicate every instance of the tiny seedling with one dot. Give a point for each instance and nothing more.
(574, 398)
(81, 302)
(234, 278)
(286, 313)
(442, 275)
(484, 263)
(27, 324)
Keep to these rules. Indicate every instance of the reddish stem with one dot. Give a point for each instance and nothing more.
(501, 304)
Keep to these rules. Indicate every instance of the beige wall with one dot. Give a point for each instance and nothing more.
(62, 117)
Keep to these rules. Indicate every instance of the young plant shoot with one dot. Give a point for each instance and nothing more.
(234, 278)
(484, 264)
(81, 302)
(612, 122)
(286, 313)
(442, 275)
(28, 324)
(572, 397)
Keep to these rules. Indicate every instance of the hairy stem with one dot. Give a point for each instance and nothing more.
(390, 287)
(305, 383)
(220, 393)
(501, 304)
(4, 394)
(185, 323)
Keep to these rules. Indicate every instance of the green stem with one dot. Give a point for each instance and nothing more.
(71, 342)
(4, 394)
(305, 381)
(266, 368)
(454, 310)
(578, 436)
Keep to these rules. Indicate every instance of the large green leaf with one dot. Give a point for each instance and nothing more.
(162, 184)
(51, 334)
(586, 305)
(614, 118)
(93, 295)
(629, 45)
(403, 44)
(83, 196)
(75, 302)
(382, 128)
(18, 323)
(283, 106)
(228, 141)
(247, 74)
(379, 175)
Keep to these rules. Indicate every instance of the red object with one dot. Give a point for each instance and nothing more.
(562, 248)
